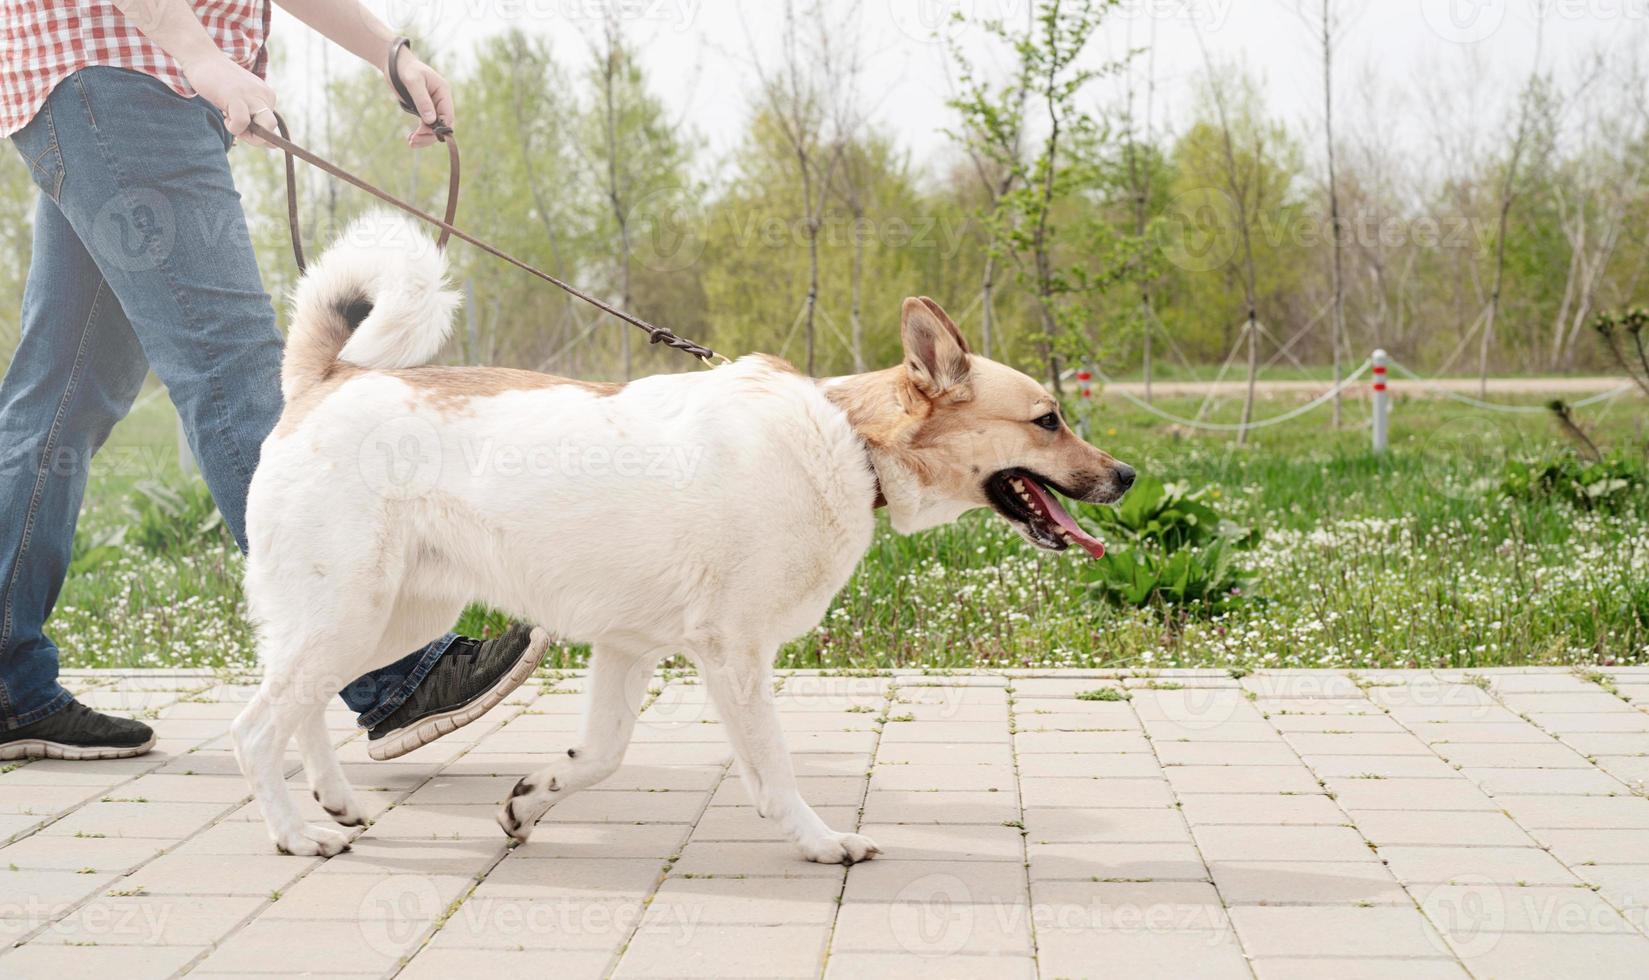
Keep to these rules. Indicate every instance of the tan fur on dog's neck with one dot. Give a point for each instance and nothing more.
(886, 411)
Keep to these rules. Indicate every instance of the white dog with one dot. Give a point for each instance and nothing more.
(711, 513)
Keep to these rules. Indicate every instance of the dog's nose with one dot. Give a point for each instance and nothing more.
(1124, 476)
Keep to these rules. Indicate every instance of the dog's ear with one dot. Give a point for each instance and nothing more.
(936, 356)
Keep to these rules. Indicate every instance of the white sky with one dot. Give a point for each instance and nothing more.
(697, 52)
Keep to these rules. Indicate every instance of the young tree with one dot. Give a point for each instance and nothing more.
(811, 96)
(635, 158)
(1050, 67)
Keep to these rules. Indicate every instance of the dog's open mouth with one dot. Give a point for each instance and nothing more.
(1025, 500)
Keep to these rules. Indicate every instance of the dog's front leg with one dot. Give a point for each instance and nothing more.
(742, 689)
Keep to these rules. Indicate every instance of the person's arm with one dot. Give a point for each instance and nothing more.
(236, 92)
(352, 27)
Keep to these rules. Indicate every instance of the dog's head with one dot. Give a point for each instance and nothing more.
(968, 432)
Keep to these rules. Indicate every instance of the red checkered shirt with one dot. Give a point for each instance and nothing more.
(43, 42)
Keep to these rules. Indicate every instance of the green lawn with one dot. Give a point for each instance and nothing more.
(1415, 559)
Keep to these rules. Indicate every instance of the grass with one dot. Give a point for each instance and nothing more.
(1412, 559)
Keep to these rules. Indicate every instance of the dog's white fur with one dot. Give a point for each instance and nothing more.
(712, 514)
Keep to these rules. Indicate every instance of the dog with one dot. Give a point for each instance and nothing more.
(712, 514)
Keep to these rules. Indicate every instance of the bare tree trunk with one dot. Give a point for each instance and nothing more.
(617, 191)
(987, 301)
(1338, 327)
(856, 287)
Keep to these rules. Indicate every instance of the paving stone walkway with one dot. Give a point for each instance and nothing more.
(1292, 824)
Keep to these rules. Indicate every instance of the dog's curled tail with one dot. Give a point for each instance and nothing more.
(376, 299)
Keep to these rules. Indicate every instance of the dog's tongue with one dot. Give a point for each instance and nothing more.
(1089, 543)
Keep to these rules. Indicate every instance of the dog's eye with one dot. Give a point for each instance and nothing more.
(1049, 422)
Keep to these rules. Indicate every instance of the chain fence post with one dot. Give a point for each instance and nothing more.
(1382, 402)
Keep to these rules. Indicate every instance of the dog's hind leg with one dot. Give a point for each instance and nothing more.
(741, 686)
(326, 776)
(617, 683)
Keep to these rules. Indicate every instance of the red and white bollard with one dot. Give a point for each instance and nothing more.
(1085, 378)
(1382, 402)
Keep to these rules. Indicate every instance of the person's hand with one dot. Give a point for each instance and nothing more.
(241, 96)
(430, 94)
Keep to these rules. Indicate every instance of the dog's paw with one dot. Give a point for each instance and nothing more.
(519, 814)
(345, 811)
(313, 840)
(840, 849)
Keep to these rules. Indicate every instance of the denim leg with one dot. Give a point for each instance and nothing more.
(376, 695)
(148, 190)
(77, 369)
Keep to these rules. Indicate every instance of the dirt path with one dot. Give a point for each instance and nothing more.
(1527, 387)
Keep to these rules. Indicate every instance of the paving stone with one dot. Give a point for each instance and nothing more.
(1281, 843)
(1307, 883)
(1217, 754)
(1578, 812)
(1575, 847)
(898, 966)
(1057, 791)
(218, 874)
(1510, 956)
(1489, 755)
(1115, 862)
(151, 920)
(984, 883)
(903, 806)
(1363, 968)
(747, 901)
(1347, 930)
(1356, 743)
(816, 790)
(1384, 828)
(1379, 766)
(434, 963)
(743, 823)
(1241, 779)
(1200, 955)
(1467, 914)
(727, 951)
(1410, 794)
(1498, 865)
(40, 961)
(1259, 808)
(931, 929)
(1114, 825)
(1122, 906)
(956, 842)
(943, 754)
(1115, 766)
(309, 946)
(1561, 782)
(915, 777)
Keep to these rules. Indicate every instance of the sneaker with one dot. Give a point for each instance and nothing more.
(77, 732)
(468, 680)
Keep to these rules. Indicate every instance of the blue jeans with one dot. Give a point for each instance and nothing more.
(141, 259)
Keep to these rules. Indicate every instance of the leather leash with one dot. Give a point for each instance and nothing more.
(444, 133)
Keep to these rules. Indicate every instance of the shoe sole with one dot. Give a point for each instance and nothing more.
(39, 748)
(427, 730)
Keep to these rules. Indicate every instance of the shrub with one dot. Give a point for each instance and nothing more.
(1605, 484)
(175, 520)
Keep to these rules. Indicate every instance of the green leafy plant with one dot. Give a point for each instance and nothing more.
(175, 519)
(1171, 517)
(1604, 484)
(1173, 549)
(1204, 580)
